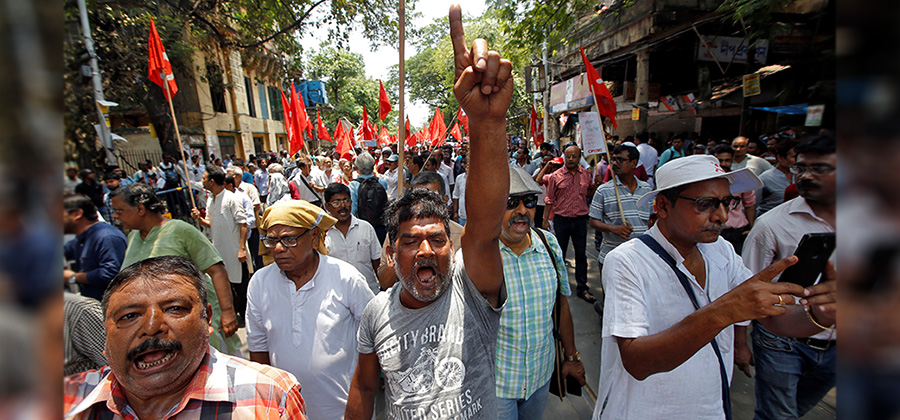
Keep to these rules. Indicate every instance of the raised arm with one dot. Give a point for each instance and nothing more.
(483, 87)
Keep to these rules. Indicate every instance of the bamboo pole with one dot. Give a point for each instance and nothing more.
(401, 124)
(162, 76)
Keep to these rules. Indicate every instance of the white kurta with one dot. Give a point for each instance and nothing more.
(226, 215)
(358, 248)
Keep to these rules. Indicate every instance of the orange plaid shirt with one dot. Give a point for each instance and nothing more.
(223, 385)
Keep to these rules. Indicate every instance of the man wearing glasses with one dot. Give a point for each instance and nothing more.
(673, 295)
(793, 374)
(304, 310)
(351, 239)
(605, 214)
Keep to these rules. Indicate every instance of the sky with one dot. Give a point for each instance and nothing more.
(378, 62)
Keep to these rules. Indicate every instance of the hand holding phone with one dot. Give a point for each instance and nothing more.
(813, 253)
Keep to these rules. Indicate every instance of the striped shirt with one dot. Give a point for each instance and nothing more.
(224, 387)
(568, 192)
(83, 334)
(525, 350)
(605, 209)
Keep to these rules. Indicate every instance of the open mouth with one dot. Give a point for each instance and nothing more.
(151, 359)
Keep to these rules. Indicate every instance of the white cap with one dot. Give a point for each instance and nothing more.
(696, 168)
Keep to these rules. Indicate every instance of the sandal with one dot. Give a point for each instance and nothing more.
(587, 296)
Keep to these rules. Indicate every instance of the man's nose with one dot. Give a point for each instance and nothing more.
(154, 322)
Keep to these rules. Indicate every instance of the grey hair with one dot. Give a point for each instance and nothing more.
(276, 167)
(365, 163)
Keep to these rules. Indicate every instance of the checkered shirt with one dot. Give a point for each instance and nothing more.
(525, 348)
(224, 387)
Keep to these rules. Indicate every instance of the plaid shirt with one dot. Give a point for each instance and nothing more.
(525, 349)
(224, 387)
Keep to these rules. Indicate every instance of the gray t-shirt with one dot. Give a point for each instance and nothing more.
(438, 361)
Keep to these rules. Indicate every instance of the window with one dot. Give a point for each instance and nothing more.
(226, 144)
(248, 87)
(275, 100)
(263, 104)
(258, 144)
(216, 86)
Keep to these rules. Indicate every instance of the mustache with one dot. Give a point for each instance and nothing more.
(152, 344)
(807, 184)
(717, 226)
(520, 218)
(430, 263)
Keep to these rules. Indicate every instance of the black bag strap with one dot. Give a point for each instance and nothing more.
(556, 307)
(305, 182)
(658, 249)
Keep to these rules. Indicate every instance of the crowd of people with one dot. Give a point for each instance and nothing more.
(305, 253)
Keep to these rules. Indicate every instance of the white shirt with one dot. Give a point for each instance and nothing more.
(322, 179)
(391, 178)
(261, 178)
(358, 248)
(305, 191)
(459, 193)
(226, 215)
(251, 192)
(248, 208)
(196, 171)
(310, 332)
(644, 297)
(447, 173)
(648, 158)
(776, 234)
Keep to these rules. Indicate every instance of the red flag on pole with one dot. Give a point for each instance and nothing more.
(338, 132)
(537, 131)
(159, 65)
(455, 133)
(384, 104)
(606, 106)
(301, 120)
(322, 131)
(296, 143)
(384, 138)
(343, 142)
(437, 128)
(463, 118)
(288, 117)
(366, 132)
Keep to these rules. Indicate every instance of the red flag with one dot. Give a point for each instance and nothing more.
(159, 63)
(437, 128)
(297, 124)
(384, 138)
(606, 106)
(384, 105)
(288, 118)
(343, 143)
(463, 118)
(322, 131)
(532, 120)
(455, 132)
(410, 138)
(366, 131)
(338, 132)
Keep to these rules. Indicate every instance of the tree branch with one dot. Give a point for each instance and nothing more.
(284, 30)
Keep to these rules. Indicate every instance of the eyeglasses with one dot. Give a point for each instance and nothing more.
(341, 202)
(817, 169)
(711, 204)
(530, 201)
(287, 241)
(618, 159)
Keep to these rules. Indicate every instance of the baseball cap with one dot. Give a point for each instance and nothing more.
(558, 160)
(392, 158)
(696, 168)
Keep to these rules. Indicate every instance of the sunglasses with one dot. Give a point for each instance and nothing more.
(287, 241)
(711, 204)
(530, 201)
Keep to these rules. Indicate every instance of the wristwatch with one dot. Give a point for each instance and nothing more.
(575, 358)
(72, 279)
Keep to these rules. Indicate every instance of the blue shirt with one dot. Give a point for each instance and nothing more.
(354, 191)
(98, 252)
(668, 155)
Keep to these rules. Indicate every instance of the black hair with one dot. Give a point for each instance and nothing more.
(111, 175)
(722, 148)
(415, 203)
(229, 180)
(784, 146)
(418, 161)
(154, 268)
(139, 193)
(74, 202)
(428, 177)
(433, 160)
(643, 136)
(672, 194)
(334, 189)
(822, 144)
(547, 146)
(216, 174)
(633, 153)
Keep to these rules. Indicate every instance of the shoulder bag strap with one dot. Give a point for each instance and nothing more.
(556, 307)
(658, 249)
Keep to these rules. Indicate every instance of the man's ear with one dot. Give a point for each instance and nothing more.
(662, 205)
(209, 317)
(389, 261)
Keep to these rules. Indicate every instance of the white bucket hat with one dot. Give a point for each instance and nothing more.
(696, 168)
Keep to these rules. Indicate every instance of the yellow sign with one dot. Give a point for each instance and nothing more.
(751, 85)
(635, 114)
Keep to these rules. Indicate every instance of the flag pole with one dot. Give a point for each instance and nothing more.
(442, 135)
(401, 121)
(609, 159)
(162, 75)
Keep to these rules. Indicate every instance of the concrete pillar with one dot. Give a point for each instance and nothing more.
(642, 89)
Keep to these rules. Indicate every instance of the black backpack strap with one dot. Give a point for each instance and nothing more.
(685, 283)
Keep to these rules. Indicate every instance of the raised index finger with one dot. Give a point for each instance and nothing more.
(458, 37)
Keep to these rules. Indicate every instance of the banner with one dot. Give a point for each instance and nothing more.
(592, 137)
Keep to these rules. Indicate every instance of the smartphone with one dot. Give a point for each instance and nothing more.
(813, 251)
